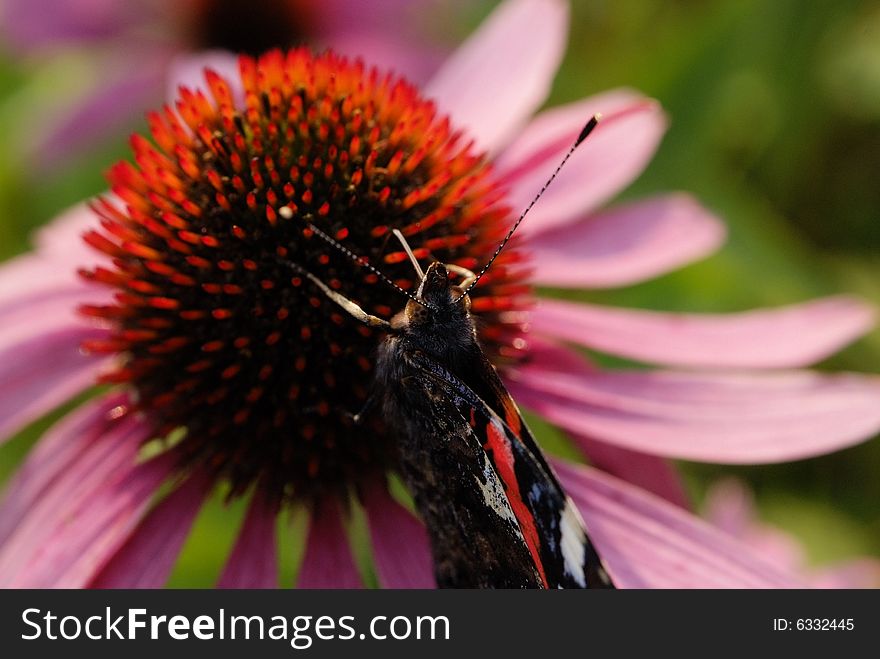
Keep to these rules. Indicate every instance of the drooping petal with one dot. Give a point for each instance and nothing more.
(63, 542)
(60, 451)
(400, 543)
(39, 374)
(625, 245)
(328, 562)
(253, 562)
(786, 337)
(720, 417)
(652, 474)
(148, 555)
(647, 542)
(474, 86)
(614, 155)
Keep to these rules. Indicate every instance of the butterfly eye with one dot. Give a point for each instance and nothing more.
(416, 313)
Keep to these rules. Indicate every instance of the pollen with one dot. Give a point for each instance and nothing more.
(215, 331)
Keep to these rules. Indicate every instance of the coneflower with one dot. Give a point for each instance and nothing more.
(227, 368)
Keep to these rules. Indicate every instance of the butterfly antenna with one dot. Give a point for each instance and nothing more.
(409, 253)
(287, 214)
(585, 131)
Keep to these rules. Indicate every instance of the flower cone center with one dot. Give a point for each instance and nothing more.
(216, 333)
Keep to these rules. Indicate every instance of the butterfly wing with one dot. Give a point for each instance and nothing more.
(571, 560)
(475, 535)
(474, 467)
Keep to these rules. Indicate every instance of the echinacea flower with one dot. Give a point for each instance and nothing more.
(135, 48)
(228, 368)
(730, 506)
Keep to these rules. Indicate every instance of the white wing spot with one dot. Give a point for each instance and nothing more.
(493, 493)
(574, 543)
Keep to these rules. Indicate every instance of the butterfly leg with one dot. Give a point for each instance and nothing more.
(467, 276)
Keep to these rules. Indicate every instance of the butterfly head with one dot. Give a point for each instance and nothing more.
(442, 301)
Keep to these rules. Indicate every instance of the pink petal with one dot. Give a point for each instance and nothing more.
(64, 541)
(552, 130)
(625, 245)
(62, 239)
(474, 86)
(406, 57)
(35, 296)
(39, 374)
(393, 35)
(148, 556)
(727, 418)
(791, 336)
(328, 562)
(649, 472)
(100, 461)
(41, 365)
(253, 562)
(47, 313)
(400, 543)
(58, 452)
(612, 157)
(647, 542)
(49, 276)
(34, 278)
(652, 474)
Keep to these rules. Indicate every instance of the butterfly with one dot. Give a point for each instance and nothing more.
(496, 514)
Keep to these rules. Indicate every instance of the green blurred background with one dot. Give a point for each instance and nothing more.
(775, 125)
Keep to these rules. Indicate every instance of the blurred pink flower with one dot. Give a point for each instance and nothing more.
(81, 511)
(730, 506)
(132, 47)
